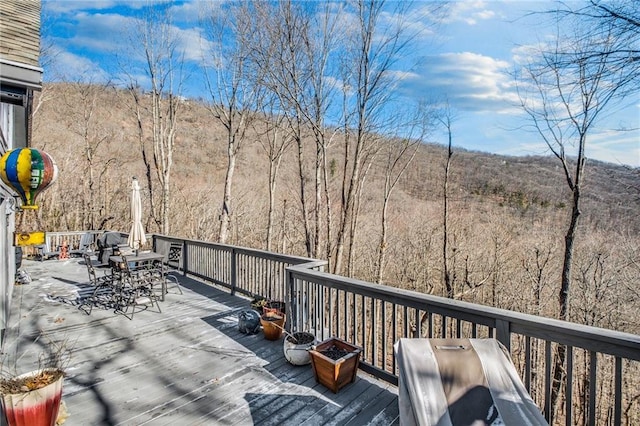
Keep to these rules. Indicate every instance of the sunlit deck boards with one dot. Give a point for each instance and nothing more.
(186, 366)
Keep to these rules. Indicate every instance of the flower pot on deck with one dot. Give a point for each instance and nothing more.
(274, 306)
(335, 363)
(296, 347)
(272, 325)
(37, 405)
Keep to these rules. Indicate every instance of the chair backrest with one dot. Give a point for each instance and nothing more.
(124, 265)
(86, 241)
(175, 252)
(174, 257)
(90, 269)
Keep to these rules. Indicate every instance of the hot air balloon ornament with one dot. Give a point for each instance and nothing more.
(28, 171)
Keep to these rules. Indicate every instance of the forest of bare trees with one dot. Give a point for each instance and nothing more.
(297, 145)
(277, 155)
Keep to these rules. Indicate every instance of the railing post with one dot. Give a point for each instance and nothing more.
(292, 324)
(233, 271)
(503, 333)
(184, 258)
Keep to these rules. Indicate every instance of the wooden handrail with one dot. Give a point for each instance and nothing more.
(374, 316)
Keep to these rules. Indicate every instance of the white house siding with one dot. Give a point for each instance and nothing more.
(19, 68)
(7, 225)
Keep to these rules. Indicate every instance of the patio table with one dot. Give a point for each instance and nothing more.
(143, 261)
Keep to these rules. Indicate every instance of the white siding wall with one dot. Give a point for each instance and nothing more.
(7, 226)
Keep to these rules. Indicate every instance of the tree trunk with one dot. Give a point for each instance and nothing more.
(448, 285)
(225, 214)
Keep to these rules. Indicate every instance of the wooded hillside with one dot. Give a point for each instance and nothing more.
(506, 217)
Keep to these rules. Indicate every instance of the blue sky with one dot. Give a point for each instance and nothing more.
(468, 61)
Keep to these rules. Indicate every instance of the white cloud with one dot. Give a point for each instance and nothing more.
(471, 82)
(102, 32)
(67, 7)
(192, 10)
(193, 44)
(70, 67)
(111, 33)
(469, 12)
(614, 147)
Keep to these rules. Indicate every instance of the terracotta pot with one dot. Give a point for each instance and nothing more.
(298, 353)
(272, 325)
(38, 407)
(274, 306)
(335, 373)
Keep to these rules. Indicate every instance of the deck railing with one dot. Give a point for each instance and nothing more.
(598, 383)
(601, 367)
(250, 272)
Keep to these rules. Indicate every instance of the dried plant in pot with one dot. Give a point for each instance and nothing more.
(335, 363)
(272, 325)
(258, 303)
(34, 398)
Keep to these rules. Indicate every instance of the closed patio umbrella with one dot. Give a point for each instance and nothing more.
(137, 236)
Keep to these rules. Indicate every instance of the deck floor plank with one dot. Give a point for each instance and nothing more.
(187, 365)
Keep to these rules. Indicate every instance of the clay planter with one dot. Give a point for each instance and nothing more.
(297, 351)
(272, 325)
(38, 407)
(274, 306)
(335, 363)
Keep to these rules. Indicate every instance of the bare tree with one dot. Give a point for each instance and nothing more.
(398, 155)
(233, 90)
(84, 123)
(162, 63)
(281, 51)
(446, 121)
(617, 22)
(278, 140)
(569, 89)
(371, 52)
(563, 102)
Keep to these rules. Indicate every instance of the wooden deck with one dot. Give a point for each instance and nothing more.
(188, 365)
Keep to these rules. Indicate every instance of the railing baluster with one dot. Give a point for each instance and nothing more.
(394, 324)
(569, 388)
(345, 313)
(405, 319)
(547, 381)
(356, 319)
(363, 323)
(593, 361)
(383, 313)
(233, 272)
(527, 363)
(617, 412)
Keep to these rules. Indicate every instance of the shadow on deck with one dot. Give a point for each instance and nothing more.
(186, 365)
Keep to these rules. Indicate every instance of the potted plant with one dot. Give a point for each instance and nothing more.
(258, 303)
(274, 306)
(335, 363)
(34, 398)
(296, 347)
(272, 325)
